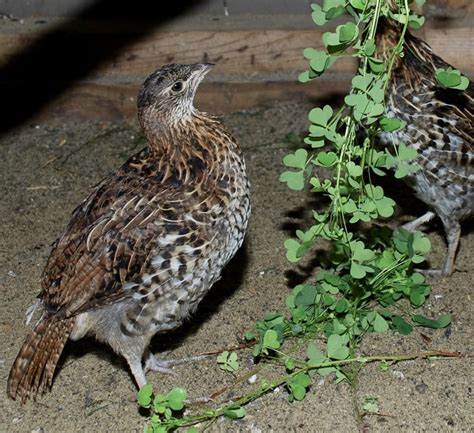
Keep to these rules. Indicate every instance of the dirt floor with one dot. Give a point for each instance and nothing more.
(45, 171)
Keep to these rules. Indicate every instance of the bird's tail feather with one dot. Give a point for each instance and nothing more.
(34, 365)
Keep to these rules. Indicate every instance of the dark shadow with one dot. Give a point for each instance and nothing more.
(301, 218)
(304, 274)
(409, 206)
(73, 49)
(296, 219)
(335, 99)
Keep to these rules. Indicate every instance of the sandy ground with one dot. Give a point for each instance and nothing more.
(46, 169)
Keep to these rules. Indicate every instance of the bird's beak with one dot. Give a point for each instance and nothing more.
(201, 69)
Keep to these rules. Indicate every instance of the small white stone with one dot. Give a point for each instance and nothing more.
(252, 379)
(11, 274)
(397, 374)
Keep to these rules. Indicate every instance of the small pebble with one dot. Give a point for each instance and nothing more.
(397, 374)
(252, 379)
(421, 387)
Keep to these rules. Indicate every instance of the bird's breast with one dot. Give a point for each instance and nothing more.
(189, 254)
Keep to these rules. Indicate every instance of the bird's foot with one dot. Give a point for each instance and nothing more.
(413, 225)
(436, 272)
(160, 365)
(164, 365)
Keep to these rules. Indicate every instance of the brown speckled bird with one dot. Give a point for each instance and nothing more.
(440, 126)
(143, 249)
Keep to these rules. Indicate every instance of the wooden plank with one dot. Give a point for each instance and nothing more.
(447, 9)
(62, 8)
(236, 52)
(244, 53)
(455, 46)
(253, 67)
(56, 8)
(253, 52)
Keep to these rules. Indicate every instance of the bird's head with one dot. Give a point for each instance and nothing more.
(167, 95)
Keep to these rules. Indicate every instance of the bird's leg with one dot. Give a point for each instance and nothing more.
(137, 370)
(412, 225)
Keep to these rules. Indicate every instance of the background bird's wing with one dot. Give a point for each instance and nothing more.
(440, 120)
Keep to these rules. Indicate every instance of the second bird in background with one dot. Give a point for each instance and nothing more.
(440, 126)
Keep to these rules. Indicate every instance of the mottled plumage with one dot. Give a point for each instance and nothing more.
(143, 249)
(440, 127)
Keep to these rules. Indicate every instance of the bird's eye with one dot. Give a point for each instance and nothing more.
(177, 87)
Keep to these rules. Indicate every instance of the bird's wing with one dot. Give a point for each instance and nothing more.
(114, 235)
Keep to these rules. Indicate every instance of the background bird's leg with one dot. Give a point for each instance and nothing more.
(453, 233)
(413, 225)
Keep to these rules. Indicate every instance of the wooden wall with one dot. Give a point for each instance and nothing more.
(257, 57)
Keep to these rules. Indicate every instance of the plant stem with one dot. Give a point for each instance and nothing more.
(359, 362)
(398, 48)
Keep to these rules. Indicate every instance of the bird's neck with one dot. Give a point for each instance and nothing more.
(190, 149)
(388, 35)
(418, 59)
